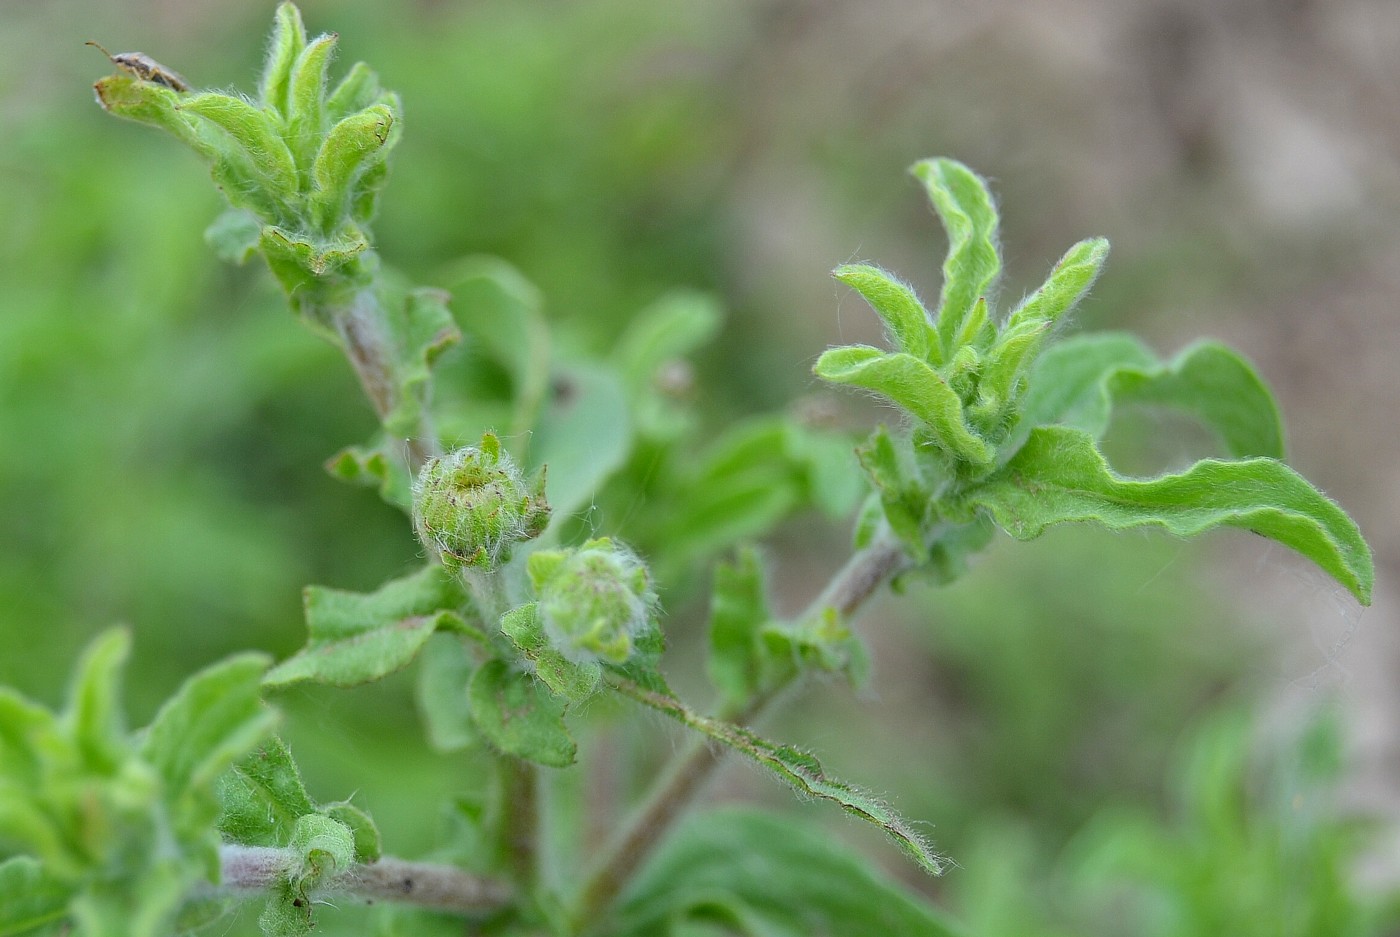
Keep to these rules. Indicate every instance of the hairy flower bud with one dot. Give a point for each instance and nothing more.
(594, 600)
(472, 505)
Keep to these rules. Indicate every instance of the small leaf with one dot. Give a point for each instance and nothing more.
(234, 236)
(444, 673)
(256, 134)
(378, 467)
(347, 150)
(769, 876)
(364, 833)
(324, 847)
(897, 304)
(1066, 382)
(306, 94)
(423, 329)
(356, 91)
(288, 41)
(568, 680)
(1066, 285)
(29, 898)
(262, 796)
(903, 496)
(519, 717)
(1059, 476)
(94, 718)
(356, 638)
(969, 216)
(738, 610)
(799, 769)
(299, 264)
(915, 387)
(211, 723)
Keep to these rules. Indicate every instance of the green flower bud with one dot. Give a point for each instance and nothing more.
(472, 505)
(594, 601)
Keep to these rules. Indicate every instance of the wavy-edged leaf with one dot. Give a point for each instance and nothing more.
(799, 769)
(381, 466)
(568, 680)
(914, 386)
(519, 717)
(1070, 279)
(896, 302)
(29, 898)
(768, 876)
(346, 151)
(969, 215)
(355, 638)
(288, 42)
(1077, 382)
(1059, 476)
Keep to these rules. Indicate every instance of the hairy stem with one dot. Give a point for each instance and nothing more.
(427, 885)
(686, 776)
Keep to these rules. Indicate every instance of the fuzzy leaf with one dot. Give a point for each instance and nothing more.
(799, 769)
(1078, 382)
(423, 329)
(255, 133)
(356, 638)
(347, 150)
(306, 94)
(568, 680)
(914, 386)
(769, 876)
(1059, 476)
(214, 720)
(288, 41)
(262, 797)
(356, 91)
(380, 466)
(234, 236)
(364, 834)
(29, 898)
(970, 217)
(519, 716)
(1066, 285)
(903, 497)
(897, 304)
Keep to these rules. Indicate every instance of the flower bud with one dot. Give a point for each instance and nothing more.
(472, 505)
(594, 601)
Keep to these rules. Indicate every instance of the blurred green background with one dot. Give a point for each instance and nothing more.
(1112, 735)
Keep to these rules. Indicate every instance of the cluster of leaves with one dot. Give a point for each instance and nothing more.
(1001, 429)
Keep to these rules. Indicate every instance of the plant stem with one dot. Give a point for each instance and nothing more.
(520, 819)
(427, 885)
(683, 780)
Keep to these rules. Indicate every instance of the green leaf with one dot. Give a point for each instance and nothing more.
(324, 847)
(503, 319)
(94, 718)
(234, 236)
(299, 264)
(444, 673)
(767, 876)
(650, 358)
(519, 716)
(1077, 382)
(915, 387)
(356, 638)
(570, 681)
(1059, 476)
(583, 436)
(306, 94)
(262, 797)
(897, 304)
(212, 722)
(346, 152)
(149, 103)
(381, 466)
(799, 769)
(356, 91)
(1066, 285)
(369, 845)
(29, 898)
(969, 216)
(256, 134)
(423, 329)
(738, 611)
(904, 498)
(288, 41)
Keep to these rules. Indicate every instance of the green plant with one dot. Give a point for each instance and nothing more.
(522, 616)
